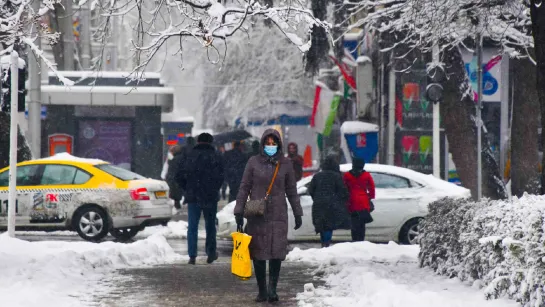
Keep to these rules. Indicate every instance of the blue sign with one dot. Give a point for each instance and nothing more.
(363, 145)
(43, 114)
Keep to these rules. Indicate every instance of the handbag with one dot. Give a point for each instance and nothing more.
(371, 205)
(256, 207)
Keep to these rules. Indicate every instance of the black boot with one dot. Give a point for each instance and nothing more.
(260, 268)
(274, 273)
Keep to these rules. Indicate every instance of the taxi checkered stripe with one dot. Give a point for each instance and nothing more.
(53, 190)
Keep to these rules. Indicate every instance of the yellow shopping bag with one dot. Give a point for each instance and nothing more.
(241, 264)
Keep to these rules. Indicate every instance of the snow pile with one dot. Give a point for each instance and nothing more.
(173, 230)
(378, 275)
(496, 245)
(62, 273)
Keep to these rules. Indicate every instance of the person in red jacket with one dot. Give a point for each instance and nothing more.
(361, 187)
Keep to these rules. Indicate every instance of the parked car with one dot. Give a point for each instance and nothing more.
(402, 198)
(91, 197)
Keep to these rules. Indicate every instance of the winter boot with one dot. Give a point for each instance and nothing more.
(274, 273)
(260, 268)
(192, 260)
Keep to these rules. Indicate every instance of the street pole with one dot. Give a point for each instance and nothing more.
(68, 35)
(478, 115)
(14, 91)
(391, 115)
(86, 36)
(35, 93)
(436, 116)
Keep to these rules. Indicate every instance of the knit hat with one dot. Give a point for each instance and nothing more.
(205, 138)
(358, 163)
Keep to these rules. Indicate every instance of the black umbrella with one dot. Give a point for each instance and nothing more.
(231, 136)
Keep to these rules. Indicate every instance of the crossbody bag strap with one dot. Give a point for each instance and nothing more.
(273, 179)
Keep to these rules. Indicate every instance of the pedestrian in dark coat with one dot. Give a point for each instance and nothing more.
(204, 174)
(329, 196)
(269, 232)
(361, 187)
(179, 173)
(296, 159)
(174, 165)
(235, 162)
(256, 148)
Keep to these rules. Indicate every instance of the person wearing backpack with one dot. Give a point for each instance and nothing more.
(361, 189)
(203, 172)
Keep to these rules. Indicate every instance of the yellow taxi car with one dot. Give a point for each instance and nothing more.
(89, 196)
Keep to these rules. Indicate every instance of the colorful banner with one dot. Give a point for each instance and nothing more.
(415, 151)
(416, 112)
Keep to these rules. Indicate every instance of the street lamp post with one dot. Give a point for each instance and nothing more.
(478, 114)
(14, 91)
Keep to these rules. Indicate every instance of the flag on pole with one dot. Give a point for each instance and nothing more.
(324, 111)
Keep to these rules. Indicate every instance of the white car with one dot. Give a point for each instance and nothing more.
(402, 198)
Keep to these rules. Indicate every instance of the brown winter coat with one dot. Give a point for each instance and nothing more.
(269, 233)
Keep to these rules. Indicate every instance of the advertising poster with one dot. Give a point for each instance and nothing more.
(107, 140)
(416, 110)
(415, 151)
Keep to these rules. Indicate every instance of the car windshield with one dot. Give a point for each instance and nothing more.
(119, 173)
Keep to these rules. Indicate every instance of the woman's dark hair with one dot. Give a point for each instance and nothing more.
(330, 164)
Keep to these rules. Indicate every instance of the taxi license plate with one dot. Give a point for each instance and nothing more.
(161, 194)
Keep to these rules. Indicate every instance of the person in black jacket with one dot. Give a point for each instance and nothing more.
(173, 168)
(329, 196)
(235, 162)
(203, 173)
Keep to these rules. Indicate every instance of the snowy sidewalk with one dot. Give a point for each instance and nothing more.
(54, 273)
(375, 275)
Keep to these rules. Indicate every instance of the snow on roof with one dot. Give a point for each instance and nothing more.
(278, 108)
(353, 127)
(104, 74)
(107, 89)
(68, 157)
(353, 36)
(363, 59)
(167, 117)
(5, 60)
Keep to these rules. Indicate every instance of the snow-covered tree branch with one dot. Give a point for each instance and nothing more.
(210, 23)
(448, 23)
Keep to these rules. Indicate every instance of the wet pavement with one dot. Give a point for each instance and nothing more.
(180, 284)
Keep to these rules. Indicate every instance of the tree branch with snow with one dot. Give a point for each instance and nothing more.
(207, 22)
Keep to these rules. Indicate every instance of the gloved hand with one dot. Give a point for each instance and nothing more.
(240, 220)
(298, 222)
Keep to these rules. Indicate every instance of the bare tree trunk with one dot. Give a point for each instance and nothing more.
(457, 112)
(524, 132)
(537, 13)
(55, 25)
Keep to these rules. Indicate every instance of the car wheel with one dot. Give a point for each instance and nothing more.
(91, 223)
(124, 234)
(410, 231)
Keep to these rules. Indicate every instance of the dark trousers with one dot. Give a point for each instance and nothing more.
(193, 218)
(233, 191)
(359, 218)
(326, 236)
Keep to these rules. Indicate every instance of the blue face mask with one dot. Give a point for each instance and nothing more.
(271, 150)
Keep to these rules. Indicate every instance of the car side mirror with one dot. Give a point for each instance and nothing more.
(302, 191)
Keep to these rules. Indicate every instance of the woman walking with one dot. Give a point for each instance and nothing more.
(329, 196)
(361, 188)
(270, 231)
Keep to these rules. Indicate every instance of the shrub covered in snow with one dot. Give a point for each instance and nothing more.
(497, 245)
